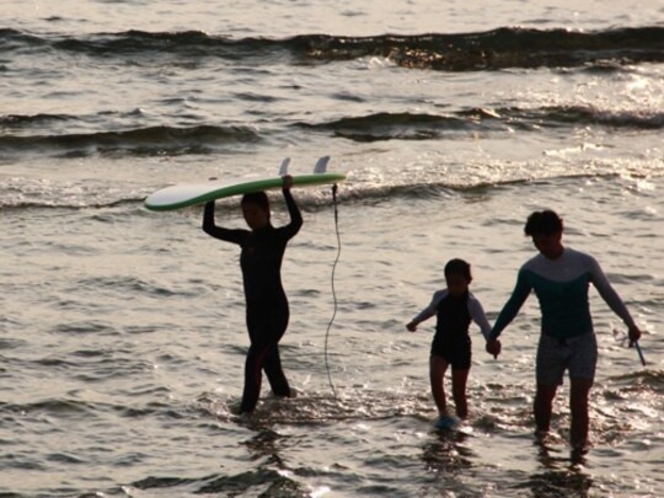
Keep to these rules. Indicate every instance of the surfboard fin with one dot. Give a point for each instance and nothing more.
(321, 164)
(283, 169)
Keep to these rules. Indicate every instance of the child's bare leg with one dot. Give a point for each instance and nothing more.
(437, 368)
(459, 380)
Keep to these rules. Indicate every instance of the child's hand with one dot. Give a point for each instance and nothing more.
(493, 347)
(288, 182)
(411, 326)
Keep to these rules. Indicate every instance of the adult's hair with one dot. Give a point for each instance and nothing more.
(545, 222)
(258, 198)
(458, 266)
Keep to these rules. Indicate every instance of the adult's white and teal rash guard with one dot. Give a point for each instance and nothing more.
(561, 286)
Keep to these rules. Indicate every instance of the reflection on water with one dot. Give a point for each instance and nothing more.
(556, 483)
(447, 453)
(559, 475)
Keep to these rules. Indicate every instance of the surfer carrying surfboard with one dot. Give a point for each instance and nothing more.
(262, 249)
(455, 307)
(560, 278)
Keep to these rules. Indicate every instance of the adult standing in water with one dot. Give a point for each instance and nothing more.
(560, 277)
(267, 311)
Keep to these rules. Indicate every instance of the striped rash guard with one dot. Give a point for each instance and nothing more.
(561, 286)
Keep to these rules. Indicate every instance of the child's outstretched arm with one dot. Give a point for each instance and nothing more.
(412, 325)
(427, 312)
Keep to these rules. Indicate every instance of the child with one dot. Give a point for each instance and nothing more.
(454, 308)
(262, 251)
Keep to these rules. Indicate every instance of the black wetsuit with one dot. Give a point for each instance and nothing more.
(267, 305)
(454, 315)
(452, 340)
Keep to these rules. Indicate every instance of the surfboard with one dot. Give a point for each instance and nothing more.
(183, 195)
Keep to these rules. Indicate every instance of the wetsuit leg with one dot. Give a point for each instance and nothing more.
(275, 373)
(272, 366)
(252, 379)
(266, 328)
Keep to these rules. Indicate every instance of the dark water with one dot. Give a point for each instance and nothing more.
(181, 125)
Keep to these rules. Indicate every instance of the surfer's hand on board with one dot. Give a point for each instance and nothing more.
(288, 181)
(493, 347)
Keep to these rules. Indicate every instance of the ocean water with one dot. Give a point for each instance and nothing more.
(122, 336)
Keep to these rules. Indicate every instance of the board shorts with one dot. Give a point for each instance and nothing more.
(456, 352)
(577, 355)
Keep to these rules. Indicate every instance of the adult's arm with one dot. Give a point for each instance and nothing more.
(512, 306)
(608, 293)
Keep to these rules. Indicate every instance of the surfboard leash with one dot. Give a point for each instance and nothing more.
(334, 294)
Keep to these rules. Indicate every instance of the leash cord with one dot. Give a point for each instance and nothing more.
(334, 294)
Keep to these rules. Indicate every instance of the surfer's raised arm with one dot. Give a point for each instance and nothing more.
(210, 227)
(293, 210)
(208, 218)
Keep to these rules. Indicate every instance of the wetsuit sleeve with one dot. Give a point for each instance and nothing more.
(430, 310)
(478, 316)
(296, 217)
(512, 306)
(609, 295)
(209, 227)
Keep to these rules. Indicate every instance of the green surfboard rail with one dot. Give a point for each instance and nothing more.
(184, 195)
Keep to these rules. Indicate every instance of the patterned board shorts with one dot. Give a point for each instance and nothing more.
(578, 355)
